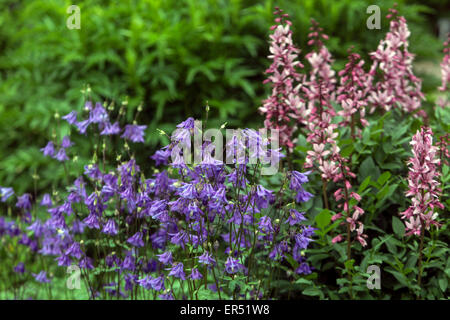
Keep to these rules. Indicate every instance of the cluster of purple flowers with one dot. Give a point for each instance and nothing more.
(201, 225)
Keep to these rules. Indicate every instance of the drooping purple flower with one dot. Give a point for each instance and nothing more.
(295, 217)
(46, 201)
(303, 196)
(166, 296)
(303, 268)
(233, 265)
(136, 240)
(37, 228)
(5, 193)
(188, 191)
(297, 179)
(24, 202)
(74, 250)
(165, 258)
(110, 228)
(63, 260)
(206, 259)
(86, 262)
(61, 155)
(49, 149)
(110, 129)
(179, 238)
(71, 117)
(265, 225)
(302, 240)
(161, 157)
(145, 282)
(134, 133)
(195, 274)
(66, 143)
(158, 283)
(177, 271)
(83, 125)
(91, 221)
(20, 268)
(41, 277)
(98, 114)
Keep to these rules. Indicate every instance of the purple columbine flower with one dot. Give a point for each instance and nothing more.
(66, 143)
(233, 265)
(83, 125)
(165, 258)
(303, 268)
(195, 274)
(145, 282)
(86, 262)
(206, 259)
(297, 179)
(161, 157)
(166, 296)
(177, 271)
(71, 117)
(5, 193)
(24, 202)
(110, 228)
(110, 129)
(303, 196)
(98, 114)
(134, 133)
(49, 149)
(61, 155)
(91, 221)
(265, 225)
(136, 240)
(63, 260)
(46, 201)
(20, 268)
(74, 250)
(302, 240)
(295, 217)
(37, 228)
(158, 283)
(41, 277)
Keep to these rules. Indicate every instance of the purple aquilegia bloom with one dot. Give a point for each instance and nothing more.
(177, 271)
(303, 268)
(61, 155)
(41, 277)
(46, 201)
(195, 274)
(86, 262)
(110, 129)
(158, 283)
(83, 125)
(110, 228)
(5, 193)
(165, 258)
(71, 117)
(74, 250)
(134, 133)
(24, 202)
(161, 157)
(66, 143)
(303, 196)
(295, 217)
(20, 268)
(136, 240)
(206, 259)
(145, 282)
(49, 149)
(297, 179)
(233, 265)
(98, 114)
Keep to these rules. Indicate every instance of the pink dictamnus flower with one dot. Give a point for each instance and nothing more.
(348, 202)
(445, 66)
(320, 60)
(352, 93)
(396, 85)
(284, 108)
(322, 134)
(423, 184)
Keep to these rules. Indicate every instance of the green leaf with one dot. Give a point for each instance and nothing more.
(398, 226)
(443, 283)
(384, 177)
(323, 218)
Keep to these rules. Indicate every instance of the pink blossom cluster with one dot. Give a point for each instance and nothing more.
(320, 60)
(397, 84)
(322, 136)
(350, 209)
(284, 107)
(423, 184)
(352, 92)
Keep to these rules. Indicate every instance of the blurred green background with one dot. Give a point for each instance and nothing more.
(172, 56)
